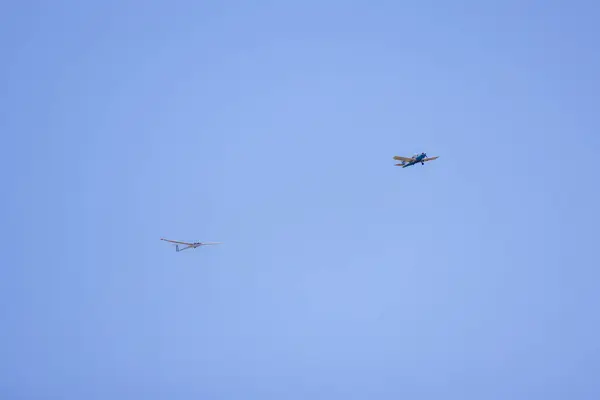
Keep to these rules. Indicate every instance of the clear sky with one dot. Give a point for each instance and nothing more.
(271, 126)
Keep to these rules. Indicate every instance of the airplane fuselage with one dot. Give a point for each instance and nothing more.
(417, 159)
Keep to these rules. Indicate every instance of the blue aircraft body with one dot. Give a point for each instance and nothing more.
(417, 158)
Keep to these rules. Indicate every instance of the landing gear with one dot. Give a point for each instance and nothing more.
(422, 163)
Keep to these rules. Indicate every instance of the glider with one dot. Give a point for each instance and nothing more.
(189, 245)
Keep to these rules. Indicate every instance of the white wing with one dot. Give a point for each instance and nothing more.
(173, 241)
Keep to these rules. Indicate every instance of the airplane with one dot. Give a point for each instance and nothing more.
(417, 158)
(189, 245)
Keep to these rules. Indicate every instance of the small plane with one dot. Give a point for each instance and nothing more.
(189, 245)
(417, 158)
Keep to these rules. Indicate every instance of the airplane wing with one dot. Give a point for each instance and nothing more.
(430, 159)
(173, 241)
(407, 159)
(209, 243)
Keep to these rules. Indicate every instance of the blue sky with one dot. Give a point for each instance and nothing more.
(271, 126)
